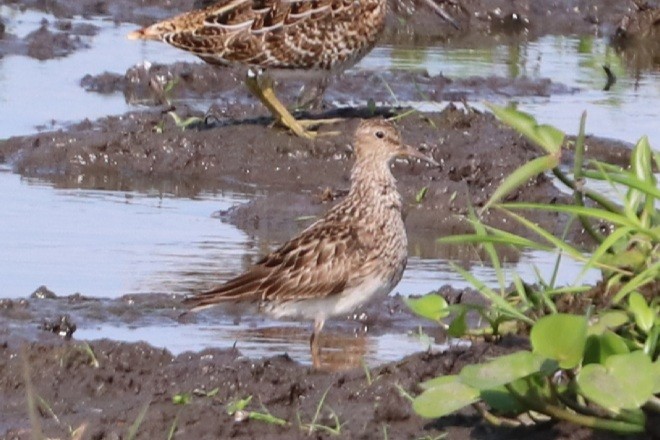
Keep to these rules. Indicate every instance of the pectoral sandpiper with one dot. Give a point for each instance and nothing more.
(321, 36)
(355, 252)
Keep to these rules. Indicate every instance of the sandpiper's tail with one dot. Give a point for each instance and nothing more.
(242, 288)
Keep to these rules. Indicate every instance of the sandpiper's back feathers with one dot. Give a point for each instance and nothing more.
(284, 34)
(357, 249)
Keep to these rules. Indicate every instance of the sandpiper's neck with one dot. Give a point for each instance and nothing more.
(374, 179)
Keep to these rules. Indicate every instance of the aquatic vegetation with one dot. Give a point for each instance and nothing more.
(595, 366)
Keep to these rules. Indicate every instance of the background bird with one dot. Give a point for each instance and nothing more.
(319, 36)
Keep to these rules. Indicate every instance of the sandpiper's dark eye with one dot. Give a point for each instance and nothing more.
(380, 134)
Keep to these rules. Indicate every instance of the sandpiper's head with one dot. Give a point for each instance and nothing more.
(379, 140)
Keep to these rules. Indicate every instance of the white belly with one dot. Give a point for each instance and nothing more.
(341, 304)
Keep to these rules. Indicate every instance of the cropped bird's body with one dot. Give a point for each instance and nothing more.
(357, 251)
(281, 34)
(321, 36)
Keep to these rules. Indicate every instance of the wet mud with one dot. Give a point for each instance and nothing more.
(99, 389)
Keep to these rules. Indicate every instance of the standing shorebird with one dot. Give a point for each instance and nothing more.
(321, 36)
(356, 251)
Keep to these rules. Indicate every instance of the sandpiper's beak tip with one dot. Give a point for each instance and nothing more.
(414, 152)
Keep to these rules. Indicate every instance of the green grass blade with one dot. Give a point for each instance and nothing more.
(545, 136)
(520, 176)
(627, 180)
(497, 300)
(557, 243)
(648, 275)
(618, 234)
(600, 214)
(490, 249)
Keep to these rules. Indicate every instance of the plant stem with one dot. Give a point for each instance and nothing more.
(579, 419)
(578, 175)
(653, 404)
(598, 198)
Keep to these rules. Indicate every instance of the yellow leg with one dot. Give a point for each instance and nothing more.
(262, 88)
(265, 93)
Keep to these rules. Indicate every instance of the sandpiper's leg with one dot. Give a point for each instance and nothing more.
(262, 88)
(315, 343)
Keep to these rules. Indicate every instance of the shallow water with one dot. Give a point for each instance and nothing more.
(110, 243)
(107, 244)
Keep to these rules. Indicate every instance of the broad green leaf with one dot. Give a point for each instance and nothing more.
(612, 319)
(501, 371)
(431, 306)
(600, 347)
(561, 337)
(444, 399)
(521, 176)
(501, 400)
(545, 136)
(656, 374)
(626, 381)
(458, 326)
(643, 314)
(440, 380)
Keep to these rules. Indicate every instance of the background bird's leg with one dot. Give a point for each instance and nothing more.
(315, 343)
(262, 87)
(311, 97)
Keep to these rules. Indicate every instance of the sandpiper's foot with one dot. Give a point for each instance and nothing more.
(262, 87)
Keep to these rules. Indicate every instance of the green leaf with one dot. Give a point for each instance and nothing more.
(501, 371)
(643, 314)
(421, 194)
(611, 319)
(521, 176)
(545, 136)
(600, 347)
(181, 399)
(502, 305)
(436, 381)
(431, 306)
(626, 381)
(561, 337)
(458, 326)
(501, 400)
(648, 275)
(444, 399)
(238, 405)
(598, 214)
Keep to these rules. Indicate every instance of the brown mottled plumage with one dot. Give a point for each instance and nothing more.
(357, 250)
(321, 35)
